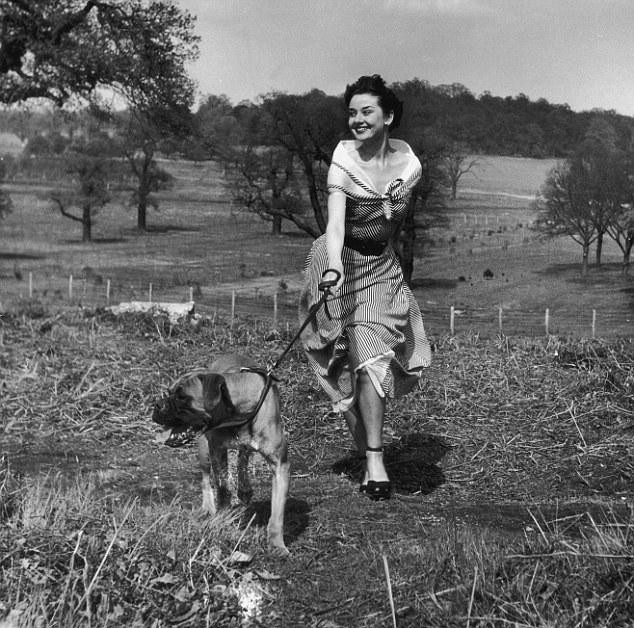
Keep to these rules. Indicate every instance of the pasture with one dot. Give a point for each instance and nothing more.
(512, 463)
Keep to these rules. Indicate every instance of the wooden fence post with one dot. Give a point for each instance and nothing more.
(594, 324)
(547, 320)
(108, 292)
(150, 293)
(191, 294)
(500, 320)
(233, 306)
(30, 285)
(452, 315)
(70, 287)
(275, 309)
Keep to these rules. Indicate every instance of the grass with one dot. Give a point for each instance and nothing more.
(512, 469)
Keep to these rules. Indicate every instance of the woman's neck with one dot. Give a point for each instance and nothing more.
(375, 149)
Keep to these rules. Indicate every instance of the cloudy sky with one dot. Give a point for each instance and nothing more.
(579, 52)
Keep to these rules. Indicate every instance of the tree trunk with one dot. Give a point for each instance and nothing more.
(277, 225)
(86, 223)
(584, 259)
(144, 188)
(599, 249)
(141, 219)
(313, 194)
(625, 269)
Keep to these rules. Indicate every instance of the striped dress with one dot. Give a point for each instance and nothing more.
(373, 322)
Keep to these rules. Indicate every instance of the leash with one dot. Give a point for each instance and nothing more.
(325, 287)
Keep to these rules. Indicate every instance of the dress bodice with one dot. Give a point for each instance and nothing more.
(372, 214)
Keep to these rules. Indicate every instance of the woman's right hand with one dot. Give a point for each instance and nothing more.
(331, 273)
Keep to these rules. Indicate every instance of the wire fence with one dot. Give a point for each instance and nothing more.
(279, 307)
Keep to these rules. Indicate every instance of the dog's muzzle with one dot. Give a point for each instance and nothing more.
(170, 415)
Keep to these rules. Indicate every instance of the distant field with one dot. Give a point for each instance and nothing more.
(198, 242)
(507, 175)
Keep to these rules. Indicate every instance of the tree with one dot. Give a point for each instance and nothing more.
(276, 153)
(605, 167)
(263, 180)
(137, 48)
(141, 139)
(90, 193)
(455, 163)
(566, 208)
(160, 94)
(55, 49)
(308, 127)
(217, 131)
(427, 201)
(621, 230)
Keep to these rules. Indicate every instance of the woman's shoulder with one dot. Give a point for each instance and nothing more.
(345, 148)
(401, 146)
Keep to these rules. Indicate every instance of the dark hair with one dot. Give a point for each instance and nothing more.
(375, 85)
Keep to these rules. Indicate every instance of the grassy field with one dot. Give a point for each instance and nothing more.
(199, 244)
(512, 464)
(512, 468)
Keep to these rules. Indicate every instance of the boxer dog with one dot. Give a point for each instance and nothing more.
(220, 403)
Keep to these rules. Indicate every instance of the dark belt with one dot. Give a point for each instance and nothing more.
(365, 247)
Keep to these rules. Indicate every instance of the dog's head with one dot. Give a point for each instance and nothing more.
(196, 402)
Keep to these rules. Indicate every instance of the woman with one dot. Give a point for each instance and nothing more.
(369, 343)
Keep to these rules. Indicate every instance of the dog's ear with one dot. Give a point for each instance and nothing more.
(216, 398)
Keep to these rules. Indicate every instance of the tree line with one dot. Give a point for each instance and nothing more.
(275, 151)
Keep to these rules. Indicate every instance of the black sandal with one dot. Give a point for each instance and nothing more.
(377, 491)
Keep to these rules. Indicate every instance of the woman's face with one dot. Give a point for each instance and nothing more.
(366, 119)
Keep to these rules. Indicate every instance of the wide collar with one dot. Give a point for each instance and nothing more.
(411, 170)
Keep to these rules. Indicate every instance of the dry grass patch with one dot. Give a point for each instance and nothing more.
(512, 468)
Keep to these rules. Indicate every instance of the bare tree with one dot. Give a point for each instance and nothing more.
(621, 230)
(566, 207)
(264, 181)
(455, 163)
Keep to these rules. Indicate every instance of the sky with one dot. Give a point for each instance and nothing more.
(575, 52)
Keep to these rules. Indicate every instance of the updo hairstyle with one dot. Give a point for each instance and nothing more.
(375, 85)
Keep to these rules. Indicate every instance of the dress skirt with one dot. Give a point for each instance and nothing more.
(372, 323)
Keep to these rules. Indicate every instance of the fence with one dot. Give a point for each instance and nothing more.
(280, 308)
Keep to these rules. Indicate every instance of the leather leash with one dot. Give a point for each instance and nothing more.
(325, 287)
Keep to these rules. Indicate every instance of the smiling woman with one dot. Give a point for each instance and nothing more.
(369, 344)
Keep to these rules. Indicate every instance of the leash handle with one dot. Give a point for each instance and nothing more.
(326, 284)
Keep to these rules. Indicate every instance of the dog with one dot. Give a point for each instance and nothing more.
(219, 402)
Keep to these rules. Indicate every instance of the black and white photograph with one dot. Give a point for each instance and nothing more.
(316, 314)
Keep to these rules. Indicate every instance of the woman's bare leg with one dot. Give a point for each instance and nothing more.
(357, 429)
(372, 408)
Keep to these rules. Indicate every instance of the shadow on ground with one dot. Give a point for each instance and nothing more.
(431, 282)
(411, 462)
(20, 256)
(296, 516)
